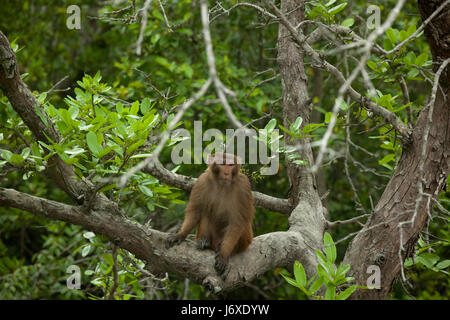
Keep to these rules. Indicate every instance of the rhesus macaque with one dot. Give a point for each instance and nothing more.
(221, 207)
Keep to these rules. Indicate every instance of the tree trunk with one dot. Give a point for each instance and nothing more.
(307, 218)
(388, 237)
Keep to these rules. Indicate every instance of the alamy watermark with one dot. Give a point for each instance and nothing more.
(74, 280)
(251, 147)
(374, 281)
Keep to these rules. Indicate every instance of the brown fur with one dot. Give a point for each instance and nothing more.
(221, 206)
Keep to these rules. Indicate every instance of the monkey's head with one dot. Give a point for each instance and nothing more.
(224, 166)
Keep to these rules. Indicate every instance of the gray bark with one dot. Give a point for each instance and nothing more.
(378, 243)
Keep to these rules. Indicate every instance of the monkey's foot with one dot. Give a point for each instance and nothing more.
(221, 264)
(173, 239)
(203, 244)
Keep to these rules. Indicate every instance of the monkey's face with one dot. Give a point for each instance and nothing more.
(225, 173)
(225, 167)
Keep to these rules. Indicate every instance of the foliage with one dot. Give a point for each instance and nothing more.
(328, 275)
(118, 102)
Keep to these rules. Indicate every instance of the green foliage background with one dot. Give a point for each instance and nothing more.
(116, 99)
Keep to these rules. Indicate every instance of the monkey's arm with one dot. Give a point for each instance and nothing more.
(233, 238)
(192, 218)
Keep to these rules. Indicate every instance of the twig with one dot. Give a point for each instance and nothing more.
(220, 88)
(165, 16)
(423, 25)
(406, 100)
(340, 222)
(114, 272)
(145, 9)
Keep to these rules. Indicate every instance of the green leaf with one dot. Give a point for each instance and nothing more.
(330, 248)
(335, 10)
(299, 273)
(106, 151)
(420, 60)
(290, 281)
(89, 235)
(410, 58)
(74, 151)
(271, 125)
(155, 38)
(386, 159)
(91, 139)
(6, 154)
(187, 69)
(427, 259)
(142, 155)
(372, 65)
(412, 28)
(311, 127)
(346, 293)
(16, 159)
(341, 271)
(348, 22)
(330, 294)
(297, 123)
(136, 145)
(25, 152)
(89, 272)
(119, 107)
(321, 257)
(134, 108)
(443, 264)
(146, 191)
(85, 250)
(145, 106)
(39, 113)
(412, 73)
(316, 285)
(392, 35)
(408, 263)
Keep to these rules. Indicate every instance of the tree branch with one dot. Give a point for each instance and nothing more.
(300, 38)
(268, 251)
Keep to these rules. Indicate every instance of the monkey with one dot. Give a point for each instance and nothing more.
(221, 207)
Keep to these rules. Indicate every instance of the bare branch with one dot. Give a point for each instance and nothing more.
(144, 14)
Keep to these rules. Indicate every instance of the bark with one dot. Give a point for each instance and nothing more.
(308, 218)
(268, 251)
(30, 110)
(296, 100)
(379, 242)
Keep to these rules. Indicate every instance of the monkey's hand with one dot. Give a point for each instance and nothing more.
(203, 244)
(174, 239)
(221, 264)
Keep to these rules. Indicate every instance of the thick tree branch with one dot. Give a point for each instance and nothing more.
(31, 112)
(278, 249)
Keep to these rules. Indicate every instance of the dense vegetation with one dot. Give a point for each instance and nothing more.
(108, 102)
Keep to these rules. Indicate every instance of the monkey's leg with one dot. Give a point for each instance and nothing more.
(203, 235)
(229, 242)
